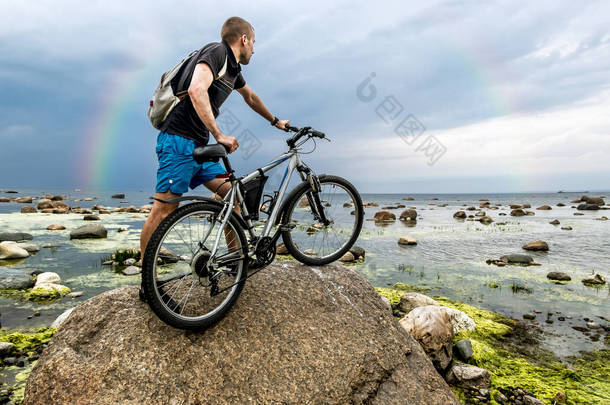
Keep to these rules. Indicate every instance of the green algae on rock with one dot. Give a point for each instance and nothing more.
(537, 370)
(25, 341)
(37, 294)
(505, 348)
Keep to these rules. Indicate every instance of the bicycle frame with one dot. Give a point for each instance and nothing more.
(294, 162)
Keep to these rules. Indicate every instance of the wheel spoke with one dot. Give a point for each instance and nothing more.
(327, 241)
(182, 295)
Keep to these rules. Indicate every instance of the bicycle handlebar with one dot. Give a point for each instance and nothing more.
(301, 132)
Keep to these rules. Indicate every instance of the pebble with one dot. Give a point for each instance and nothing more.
(593, 325)
(10, 360)
(529, 316)
(132, 271)
(75, 294)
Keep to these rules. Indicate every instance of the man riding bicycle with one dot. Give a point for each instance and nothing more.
(194, 118)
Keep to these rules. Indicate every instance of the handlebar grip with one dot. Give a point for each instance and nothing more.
(318, 134)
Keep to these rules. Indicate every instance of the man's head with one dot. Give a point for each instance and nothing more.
(239, 34)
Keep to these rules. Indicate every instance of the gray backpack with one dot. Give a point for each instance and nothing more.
(164, 100)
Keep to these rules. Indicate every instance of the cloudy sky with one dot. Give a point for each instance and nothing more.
(437, 96)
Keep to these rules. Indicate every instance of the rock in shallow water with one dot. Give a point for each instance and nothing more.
(93, 231)
(15, 278)
(405, 241)
(15, 236)
(559, 276)
(330, 317)
(11, 250)
(517, 258)
(537, 245)
(132, 271)
(587, 207)
(596, 279)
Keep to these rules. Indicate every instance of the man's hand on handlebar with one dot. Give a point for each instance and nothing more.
(282, 124)
(229, 141)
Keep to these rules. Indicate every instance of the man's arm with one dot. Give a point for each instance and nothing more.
(252, 99)
(198, 92)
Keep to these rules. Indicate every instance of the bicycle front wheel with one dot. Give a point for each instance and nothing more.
(184, 284)
(325, 224)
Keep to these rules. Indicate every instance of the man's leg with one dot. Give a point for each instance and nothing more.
(157, 214)
(221, 189)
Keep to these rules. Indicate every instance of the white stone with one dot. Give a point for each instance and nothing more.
(469, 376)
(411, 300)
(459, 320)
(132, 271)
(11, 250)
(29, 247)
(62, 318)
(6, 348)
(387, 303)
(431, 326)
(47, 278)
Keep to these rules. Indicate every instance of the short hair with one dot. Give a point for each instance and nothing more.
(234, 28)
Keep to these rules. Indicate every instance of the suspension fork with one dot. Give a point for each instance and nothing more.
(313, 197)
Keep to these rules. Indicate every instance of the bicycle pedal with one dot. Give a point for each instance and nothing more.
(287, 227)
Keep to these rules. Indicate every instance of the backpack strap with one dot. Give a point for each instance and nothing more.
(191, 68)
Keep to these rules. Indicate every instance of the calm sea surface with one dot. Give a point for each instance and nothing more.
(449, 257)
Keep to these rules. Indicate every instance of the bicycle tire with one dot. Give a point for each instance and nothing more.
(153, 288)
(289, 212)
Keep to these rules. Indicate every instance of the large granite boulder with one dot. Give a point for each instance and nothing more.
(297, 334)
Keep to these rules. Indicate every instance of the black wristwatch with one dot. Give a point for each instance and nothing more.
(275, 120)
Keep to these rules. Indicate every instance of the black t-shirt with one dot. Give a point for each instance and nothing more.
(183, 120)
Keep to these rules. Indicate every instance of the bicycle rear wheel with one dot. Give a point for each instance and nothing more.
(184, 285)
(311, 241)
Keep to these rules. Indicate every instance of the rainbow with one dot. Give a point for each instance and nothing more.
(130, 85)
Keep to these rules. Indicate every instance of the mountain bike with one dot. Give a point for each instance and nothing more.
(199, 257)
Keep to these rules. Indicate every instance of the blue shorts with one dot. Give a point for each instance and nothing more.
(177, 169)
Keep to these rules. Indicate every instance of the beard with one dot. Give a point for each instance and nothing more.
(244, 59)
